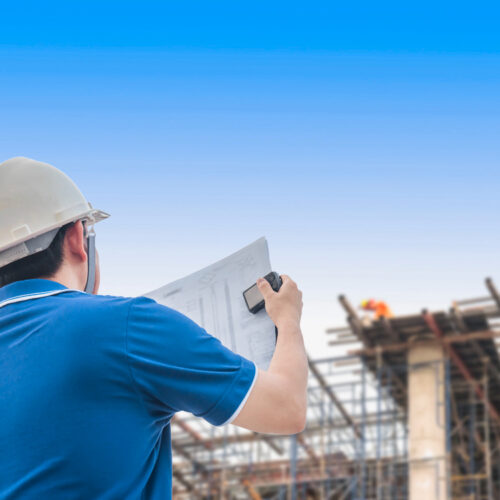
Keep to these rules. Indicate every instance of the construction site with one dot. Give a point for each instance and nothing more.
(410, 410)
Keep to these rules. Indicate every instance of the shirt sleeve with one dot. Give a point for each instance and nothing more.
(177, 366)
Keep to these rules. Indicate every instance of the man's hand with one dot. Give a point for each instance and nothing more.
(284, 306)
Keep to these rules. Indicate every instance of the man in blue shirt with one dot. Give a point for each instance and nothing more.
(89, 383)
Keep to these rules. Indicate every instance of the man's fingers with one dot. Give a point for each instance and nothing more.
(288, 281)
(264, 287)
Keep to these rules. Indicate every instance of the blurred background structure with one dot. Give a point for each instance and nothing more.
(410, 410)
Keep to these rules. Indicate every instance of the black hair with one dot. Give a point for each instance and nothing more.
(43, 264)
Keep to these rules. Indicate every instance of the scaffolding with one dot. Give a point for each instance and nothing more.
(362, 436)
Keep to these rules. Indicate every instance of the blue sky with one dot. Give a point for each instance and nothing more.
(362, 142)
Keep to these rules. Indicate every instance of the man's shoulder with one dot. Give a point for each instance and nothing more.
(109, 302)
(103, 303)
(111, 305)
(85, 308)
(105, 315)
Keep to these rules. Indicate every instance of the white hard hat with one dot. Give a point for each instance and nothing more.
(36, 200)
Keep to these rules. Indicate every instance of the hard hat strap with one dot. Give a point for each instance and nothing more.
(91, 260)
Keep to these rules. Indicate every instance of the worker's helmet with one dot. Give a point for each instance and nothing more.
(36, 200)
(368, 304)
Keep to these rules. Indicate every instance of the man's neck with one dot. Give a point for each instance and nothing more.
(68, 278)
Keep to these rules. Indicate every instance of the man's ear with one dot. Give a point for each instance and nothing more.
(75, 243)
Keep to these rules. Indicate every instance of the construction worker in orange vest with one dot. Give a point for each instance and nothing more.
(380, 308)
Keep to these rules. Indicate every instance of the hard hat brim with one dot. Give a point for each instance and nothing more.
(39, 242)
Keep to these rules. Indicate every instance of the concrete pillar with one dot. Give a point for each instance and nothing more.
(426, 421)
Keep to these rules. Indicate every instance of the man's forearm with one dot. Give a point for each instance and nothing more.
(290, 361)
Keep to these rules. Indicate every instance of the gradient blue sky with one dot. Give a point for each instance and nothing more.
(362, 141)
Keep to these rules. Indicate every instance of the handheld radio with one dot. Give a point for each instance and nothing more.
(254, 299)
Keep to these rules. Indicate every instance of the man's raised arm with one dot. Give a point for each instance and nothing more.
(278, 401)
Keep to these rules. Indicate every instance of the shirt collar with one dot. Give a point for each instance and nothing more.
(27, 287)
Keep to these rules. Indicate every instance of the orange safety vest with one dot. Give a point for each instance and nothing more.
(382, 309)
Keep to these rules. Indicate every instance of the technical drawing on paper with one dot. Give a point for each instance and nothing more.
(213, 298)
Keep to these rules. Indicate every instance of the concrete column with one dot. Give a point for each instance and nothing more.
(426, 421)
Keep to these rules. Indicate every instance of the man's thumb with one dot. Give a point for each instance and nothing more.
(264, 287)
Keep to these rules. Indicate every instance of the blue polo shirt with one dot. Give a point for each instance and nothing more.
(89, 384)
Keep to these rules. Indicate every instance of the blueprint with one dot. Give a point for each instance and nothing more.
(213, 298)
